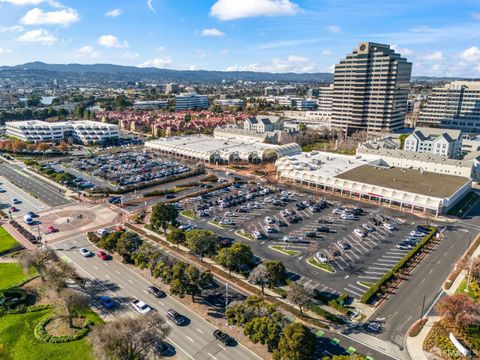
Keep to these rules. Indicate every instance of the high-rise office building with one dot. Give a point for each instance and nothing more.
(370, 90)
(172, 89)
(191, 101)
(455, 105)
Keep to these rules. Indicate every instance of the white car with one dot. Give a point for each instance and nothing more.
(85, 252)
(256, 235)
(102, 232)
(388, 226)
(347, 216)
(359, 232)
(269, 220)
(320, 257)
(141, 307)
(269, 229)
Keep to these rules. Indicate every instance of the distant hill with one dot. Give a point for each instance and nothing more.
(177, 75)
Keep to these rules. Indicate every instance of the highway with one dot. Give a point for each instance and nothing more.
(28, 202)
(34, 185)
(193, 341)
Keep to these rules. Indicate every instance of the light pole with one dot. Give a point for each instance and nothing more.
(467, 288)
(423, 308)
(226, 296)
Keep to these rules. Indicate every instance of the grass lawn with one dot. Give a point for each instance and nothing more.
(10, 274)
(189, 214)
(322, 266)
(285, 251)
(7, 241)
(473, 290)
(16, 335)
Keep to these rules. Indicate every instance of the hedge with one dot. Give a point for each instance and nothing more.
(18, 293)
(92, 237)
(24, 281)
(22, 309)
(391, 274)
(41, 333)
(325, 314)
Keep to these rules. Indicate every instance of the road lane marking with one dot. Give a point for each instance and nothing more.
(200, 331)
(189, 338)
(117, 272)
(106, 275)
(213, 357)
(130, 281)
(95, 267)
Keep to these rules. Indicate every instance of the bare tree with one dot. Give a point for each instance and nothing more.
(129, 338)
(70, 302)
(299, 296)
(37, 259)
(259, 276)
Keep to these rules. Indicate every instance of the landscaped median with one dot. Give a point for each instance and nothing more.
(284, 250)
(244, 235)
(391, 275)
(321, 266)
(189, 214)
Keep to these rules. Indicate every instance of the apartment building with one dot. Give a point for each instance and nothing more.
(441, 142)
(85, 131)
(455, 105)
(370, 90)
(263, 123)
(191, 101)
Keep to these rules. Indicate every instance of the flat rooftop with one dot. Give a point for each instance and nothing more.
(409, 180)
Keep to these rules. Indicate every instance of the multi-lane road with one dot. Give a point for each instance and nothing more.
(45, 192)
(194, 341)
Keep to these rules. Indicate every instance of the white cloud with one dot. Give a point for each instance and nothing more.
(433, 56)
(403, 51)
(293, 63)
(37, 16)
(150, 5)
(192, 68)
(5, 51)
(11, 29)
(212, 32)
(39, 35)
(89, 51)
(130, 56)
(327, 52)
(22, 2)
(114, 13)
(471, 54)
(157, 63)
(111, 41)
(334, 29)
(238, 9)
(477, 68)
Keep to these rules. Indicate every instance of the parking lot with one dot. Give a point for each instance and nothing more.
(359, 248)
(118, 169)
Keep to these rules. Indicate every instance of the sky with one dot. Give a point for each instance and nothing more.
(440, 37)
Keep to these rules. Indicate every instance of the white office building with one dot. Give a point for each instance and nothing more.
(229, 103)
(150, 105)
(191, 101)
(85, 131)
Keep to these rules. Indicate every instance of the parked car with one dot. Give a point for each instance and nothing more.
(388, 226)
(102, 232)
(51, 229)
(14, 209)
(417, 233)
(175, 317)
(107, 302)
(368, 227)
(374, 221)
(85, 252)
(156, 292)
(359, 232)
(347, 216)
(257, 235)
(103, 255)
(141, 307)
(15, 201)
(269, 229)
(346, 246)
(32, 214)
(269, 220)
(310, 234)
(321, 257)
(323, 229)
(226, 339)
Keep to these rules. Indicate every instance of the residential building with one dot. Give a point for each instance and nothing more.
(455, 105)
(150, 105)
(263, 123)
(434, 141)
(191, 101)
(370, 90)
(229, 103)
(85, 131)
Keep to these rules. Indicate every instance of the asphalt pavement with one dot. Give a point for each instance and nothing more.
(34, 185)
(193, 341)
(27, 202)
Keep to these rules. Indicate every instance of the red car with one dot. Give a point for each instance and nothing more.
(102, 255)
(14, 209)
(51, 229)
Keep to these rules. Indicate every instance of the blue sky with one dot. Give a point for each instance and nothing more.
(440, 37)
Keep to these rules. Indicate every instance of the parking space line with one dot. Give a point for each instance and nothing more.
(353, 292)
(375, 272)
(369, 277)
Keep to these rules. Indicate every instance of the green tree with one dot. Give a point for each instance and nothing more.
(176, 236)
(202, 242)
(197, 280)
(235, 257)
(109, 242)
(297, 343)
(127, 244)
(277, 273)
(299, 296)
(265, 330)
(163, 215)
(121, 102)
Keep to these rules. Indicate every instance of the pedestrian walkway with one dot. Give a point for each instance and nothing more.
(414, 345)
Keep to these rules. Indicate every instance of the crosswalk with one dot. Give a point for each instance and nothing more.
(315, 285)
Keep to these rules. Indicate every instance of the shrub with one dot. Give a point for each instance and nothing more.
(282, 292)
(41, 333)
(20, 295)
(94, 238)
(325, 314)
(21, 309)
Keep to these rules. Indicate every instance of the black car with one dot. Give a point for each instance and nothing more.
(374, 221)
(423, 228)
(300, 206)
(170, 196)
(310, 234)
(346, 246)
(175, 317)
(163, 348)
(224, 338)
(325, 221)
(358, 211)
(323, 229)
(156, 292)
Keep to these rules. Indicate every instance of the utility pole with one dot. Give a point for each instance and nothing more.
(226, 295)
(467, 288)
(423, 308)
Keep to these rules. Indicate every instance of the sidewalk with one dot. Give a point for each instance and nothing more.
(414, 345)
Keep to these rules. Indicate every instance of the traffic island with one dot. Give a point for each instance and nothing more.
(321, 266)
(284, 250)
